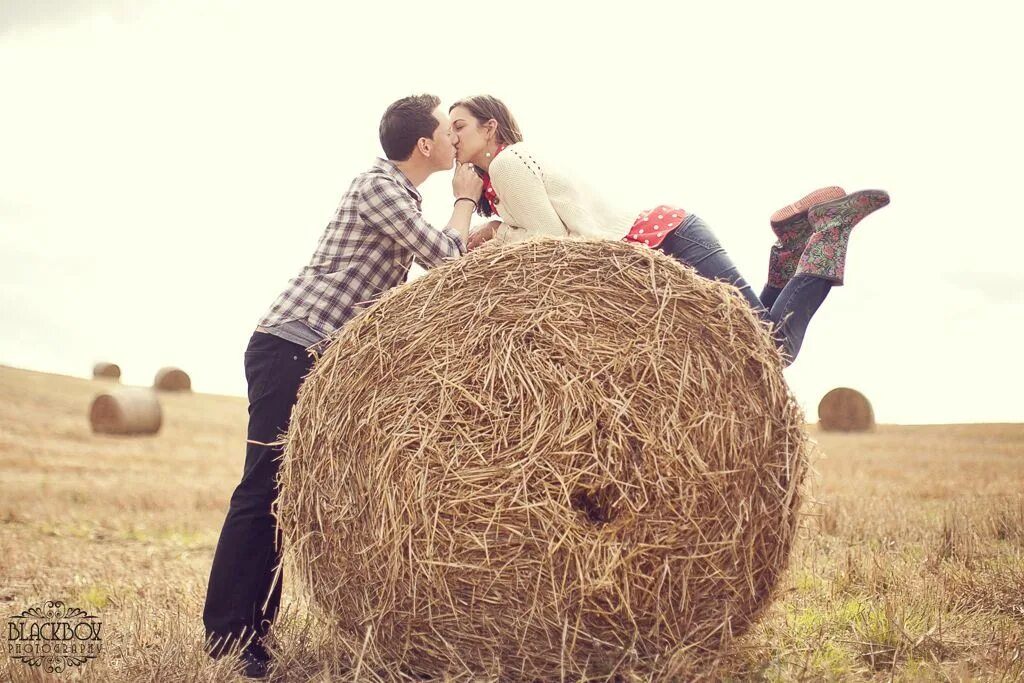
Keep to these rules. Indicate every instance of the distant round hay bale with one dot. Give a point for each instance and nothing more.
(106, 371)
(556, 458)
(845, 410)
(172, 379)
(126, 411)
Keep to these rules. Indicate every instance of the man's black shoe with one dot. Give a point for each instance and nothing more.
(255, 662)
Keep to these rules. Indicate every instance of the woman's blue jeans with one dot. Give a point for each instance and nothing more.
(693, 244)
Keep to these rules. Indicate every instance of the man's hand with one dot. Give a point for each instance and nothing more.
(481, 234)
(467, 183)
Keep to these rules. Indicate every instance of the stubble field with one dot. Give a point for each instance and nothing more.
(910, 564)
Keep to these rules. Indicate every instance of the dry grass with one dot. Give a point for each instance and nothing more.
(126, 410)
(532, 482)
(172, 379)
(908, 568)
(106, 371)
(845, 410)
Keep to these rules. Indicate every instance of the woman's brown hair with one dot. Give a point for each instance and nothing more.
(484, 108)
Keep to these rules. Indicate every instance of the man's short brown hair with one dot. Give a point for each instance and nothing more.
(405, 122)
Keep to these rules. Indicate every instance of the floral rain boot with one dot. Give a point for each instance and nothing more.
(792, 229)
(831, 223)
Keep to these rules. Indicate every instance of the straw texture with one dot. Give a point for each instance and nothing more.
(554, 459)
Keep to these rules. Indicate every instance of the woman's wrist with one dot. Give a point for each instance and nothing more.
(465, 199)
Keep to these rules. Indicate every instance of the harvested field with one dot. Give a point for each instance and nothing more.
(910, 565)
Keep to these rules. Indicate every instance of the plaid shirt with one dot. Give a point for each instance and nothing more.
(368, 248)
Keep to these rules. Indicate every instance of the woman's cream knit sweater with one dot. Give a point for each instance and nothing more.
(537, 199)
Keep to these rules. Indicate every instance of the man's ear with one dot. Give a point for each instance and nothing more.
(424, 145)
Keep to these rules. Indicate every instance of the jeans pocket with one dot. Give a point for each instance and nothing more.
(261, 371)
(694, 230)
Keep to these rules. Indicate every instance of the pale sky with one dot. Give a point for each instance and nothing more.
(165, 167)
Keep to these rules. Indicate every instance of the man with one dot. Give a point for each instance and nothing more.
(376, 234)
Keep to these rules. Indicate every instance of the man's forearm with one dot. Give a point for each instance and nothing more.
(462, 214)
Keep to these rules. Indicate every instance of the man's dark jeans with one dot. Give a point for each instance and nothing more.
(694, 244)
(242, 597)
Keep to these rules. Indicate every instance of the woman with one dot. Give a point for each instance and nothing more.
(534, 199)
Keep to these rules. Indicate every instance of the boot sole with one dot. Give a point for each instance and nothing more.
(788, 213)
(881, 197)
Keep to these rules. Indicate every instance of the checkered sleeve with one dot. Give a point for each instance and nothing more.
(389, 208)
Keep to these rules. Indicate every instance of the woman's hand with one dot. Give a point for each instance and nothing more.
(467, 182)
(481, 234)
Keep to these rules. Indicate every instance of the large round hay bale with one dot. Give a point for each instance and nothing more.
(126, 411)
(845, 410)
(172, 379)
(106, 371)
(557, 458)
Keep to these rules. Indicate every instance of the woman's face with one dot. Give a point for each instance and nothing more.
(471, 137)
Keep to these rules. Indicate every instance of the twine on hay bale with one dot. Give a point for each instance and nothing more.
(106, 371)
(553, 458)
(126, 411)
(845, 410)
(172, 379)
